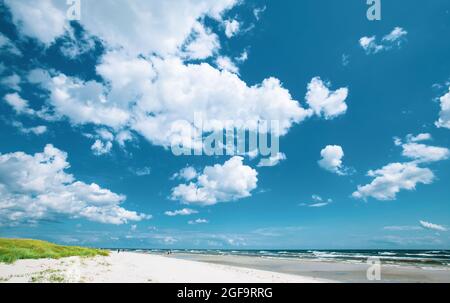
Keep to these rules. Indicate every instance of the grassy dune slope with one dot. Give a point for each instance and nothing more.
(14, 249)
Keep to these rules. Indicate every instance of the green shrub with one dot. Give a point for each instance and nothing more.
(14, 249)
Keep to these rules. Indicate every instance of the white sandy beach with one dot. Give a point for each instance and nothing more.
(138, 267)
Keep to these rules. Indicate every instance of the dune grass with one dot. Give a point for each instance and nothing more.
(14, 249)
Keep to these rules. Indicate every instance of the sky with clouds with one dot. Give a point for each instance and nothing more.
(91, 108)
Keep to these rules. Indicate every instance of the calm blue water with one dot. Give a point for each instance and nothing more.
(413, 257)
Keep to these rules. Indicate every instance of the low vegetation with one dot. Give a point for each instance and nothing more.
(14, 249)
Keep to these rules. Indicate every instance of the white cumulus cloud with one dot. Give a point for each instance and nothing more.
(272, 160)
(154, 107)
(44, 20)
(418, 138)
(325, 102)
(225, 63)
(187, 173)
(219, 183)
(18, 104)
(392, 178)
(419, 152)
(142, 26)
(36, 187)
(444, 115)
(12, 82)
(6, 45)
(202, 43)
(231, 28)
(100, 148)
(145, 85)
(424, 153)
(36, 130)
(332, 159)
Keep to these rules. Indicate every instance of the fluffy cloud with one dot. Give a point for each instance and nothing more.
(242, 57)
(143, 171)
(123, 137)
(105, 134)
(225, 63)
(324, 102)
(418, 138)
(444, 115)
(80, 101)
(422, 153)
(103, 143)
(392, 178)
(21, 107)
(74, 45)
(231, 28)
(332, 159)
(187, 173)
(156, 95)
(201, 44)
(12, 82)
(18, 104)
(432, 226)
(273, 160)
(396, 34)
(219, 183)
(44, 20)
(36, 130)
(369, 45)
(6, 45)
(181, 212)
(35, 187)
(183, 90)
(101, 148)
(167, 24)
(142, 26)
(394, 39)
(419, 152)
(153, 108)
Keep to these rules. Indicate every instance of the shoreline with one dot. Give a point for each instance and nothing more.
(140, 267)
(340, 271)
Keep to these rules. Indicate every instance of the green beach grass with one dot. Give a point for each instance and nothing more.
(15, 249)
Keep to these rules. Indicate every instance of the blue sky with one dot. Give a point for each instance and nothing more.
(87, 110)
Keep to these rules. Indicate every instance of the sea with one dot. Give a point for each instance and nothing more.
(399, 257)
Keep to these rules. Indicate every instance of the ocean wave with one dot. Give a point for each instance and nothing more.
(387, 253)
(392, 257)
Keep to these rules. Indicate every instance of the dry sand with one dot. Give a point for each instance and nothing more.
(138, 267)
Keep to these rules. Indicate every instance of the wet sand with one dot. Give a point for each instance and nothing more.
(331, 270)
